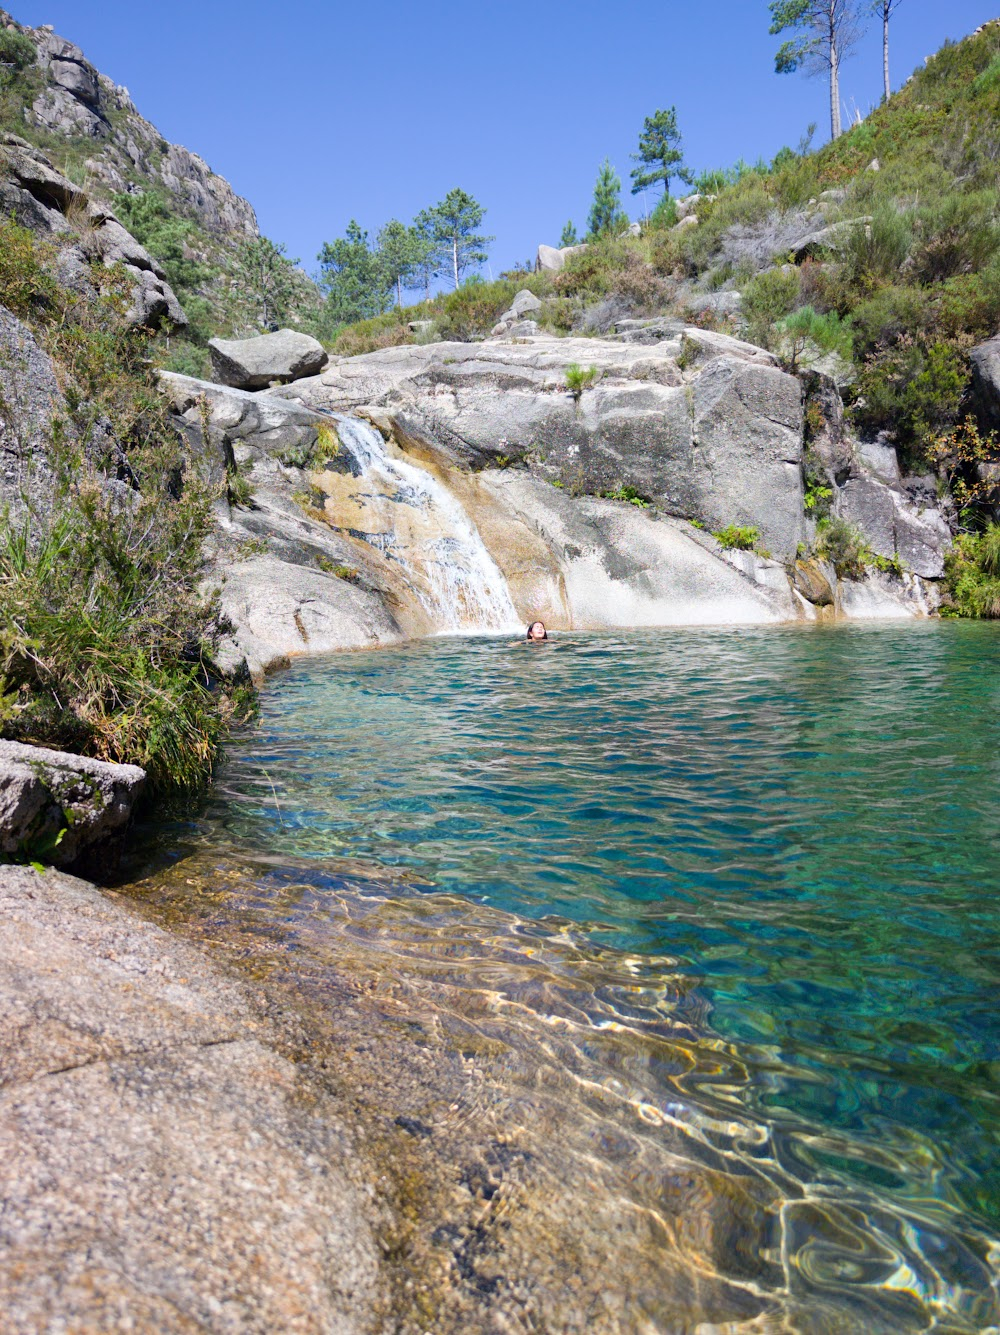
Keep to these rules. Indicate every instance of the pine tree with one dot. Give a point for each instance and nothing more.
(828, 29)
(353, 277)
(660, 157)
(606, 210)
(452, 226)
(400, 250)
(569, 236)
(265, 284)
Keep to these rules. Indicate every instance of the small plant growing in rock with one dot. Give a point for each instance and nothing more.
(817, 496)
(737, 537)
(578, 379)
(630, 494)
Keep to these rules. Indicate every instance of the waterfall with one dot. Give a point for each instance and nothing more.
(420, 524)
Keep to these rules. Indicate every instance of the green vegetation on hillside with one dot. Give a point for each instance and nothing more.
(104, 638)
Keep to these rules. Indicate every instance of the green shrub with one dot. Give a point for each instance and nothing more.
(883, 318)
(827, 332)
(876, 251)
(842, 545)
(17, 51)
(914, 391)
(737, 537)
(972, 569)
(628, 493)
(767, 299)
(664, 216)
(956, 235)
(26, 286)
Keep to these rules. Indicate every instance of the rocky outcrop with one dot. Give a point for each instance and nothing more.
(710, 429)
(77, 102)
(31, 398)
(86, 232)
(289, 582)
(256, 363)
(894, 527)
(162, 1167)
(70, 810)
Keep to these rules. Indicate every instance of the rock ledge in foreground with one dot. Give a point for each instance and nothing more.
(161, 1168)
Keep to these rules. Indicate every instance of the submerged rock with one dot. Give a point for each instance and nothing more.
(255, 363)
(70, 809)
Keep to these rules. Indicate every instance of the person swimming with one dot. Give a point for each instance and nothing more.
(536, 633)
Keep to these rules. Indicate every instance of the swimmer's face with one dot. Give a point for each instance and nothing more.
(537, 631)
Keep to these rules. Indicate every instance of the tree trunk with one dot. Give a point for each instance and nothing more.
(885, 50)
(834, 78)
(399, 291)
(454, 257)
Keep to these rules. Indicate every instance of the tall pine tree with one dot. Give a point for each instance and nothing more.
(827, 31)
(660, 157)
(452, 228)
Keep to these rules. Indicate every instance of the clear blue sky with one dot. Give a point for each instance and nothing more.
(319, 111)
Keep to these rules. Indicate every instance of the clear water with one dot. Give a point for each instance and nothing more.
(800, 825)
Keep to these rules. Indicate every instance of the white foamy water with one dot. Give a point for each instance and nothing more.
(453, 575)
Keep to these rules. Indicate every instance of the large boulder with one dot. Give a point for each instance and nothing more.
(551, 259)
(69, 809)
(721, 443)
(256, 363)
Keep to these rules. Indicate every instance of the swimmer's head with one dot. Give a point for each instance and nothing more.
(537, 631)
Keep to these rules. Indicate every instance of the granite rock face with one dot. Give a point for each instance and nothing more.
(986, 380)
(707, 427)
(161, 1167)
(41, 198)
(73, 809)
(255, 363)
(78, 102)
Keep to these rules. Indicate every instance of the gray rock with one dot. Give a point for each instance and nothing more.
(255, 363)
(77, 78)
(40, 197)
(525, 303)
(634, 229)
(550, 259)
(985, 359)
(719, 303)
(162, 1168)
(689, 220)
(833, 238)
(688, 205)
(881, 460)
(47, 796)
(894, 528)
(31, 397)
(701, 345)
(725, 447)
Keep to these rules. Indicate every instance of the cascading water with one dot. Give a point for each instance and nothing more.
(424, 528)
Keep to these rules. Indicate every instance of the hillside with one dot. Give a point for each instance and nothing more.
(200, 231)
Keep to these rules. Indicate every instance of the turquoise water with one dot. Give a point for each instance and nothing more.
(805, 821)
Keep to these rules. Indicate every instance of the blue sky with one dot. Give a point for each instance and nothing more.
(319, 112)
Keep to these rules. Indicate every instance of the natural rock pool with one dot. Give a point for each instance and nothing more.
(713, 917)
